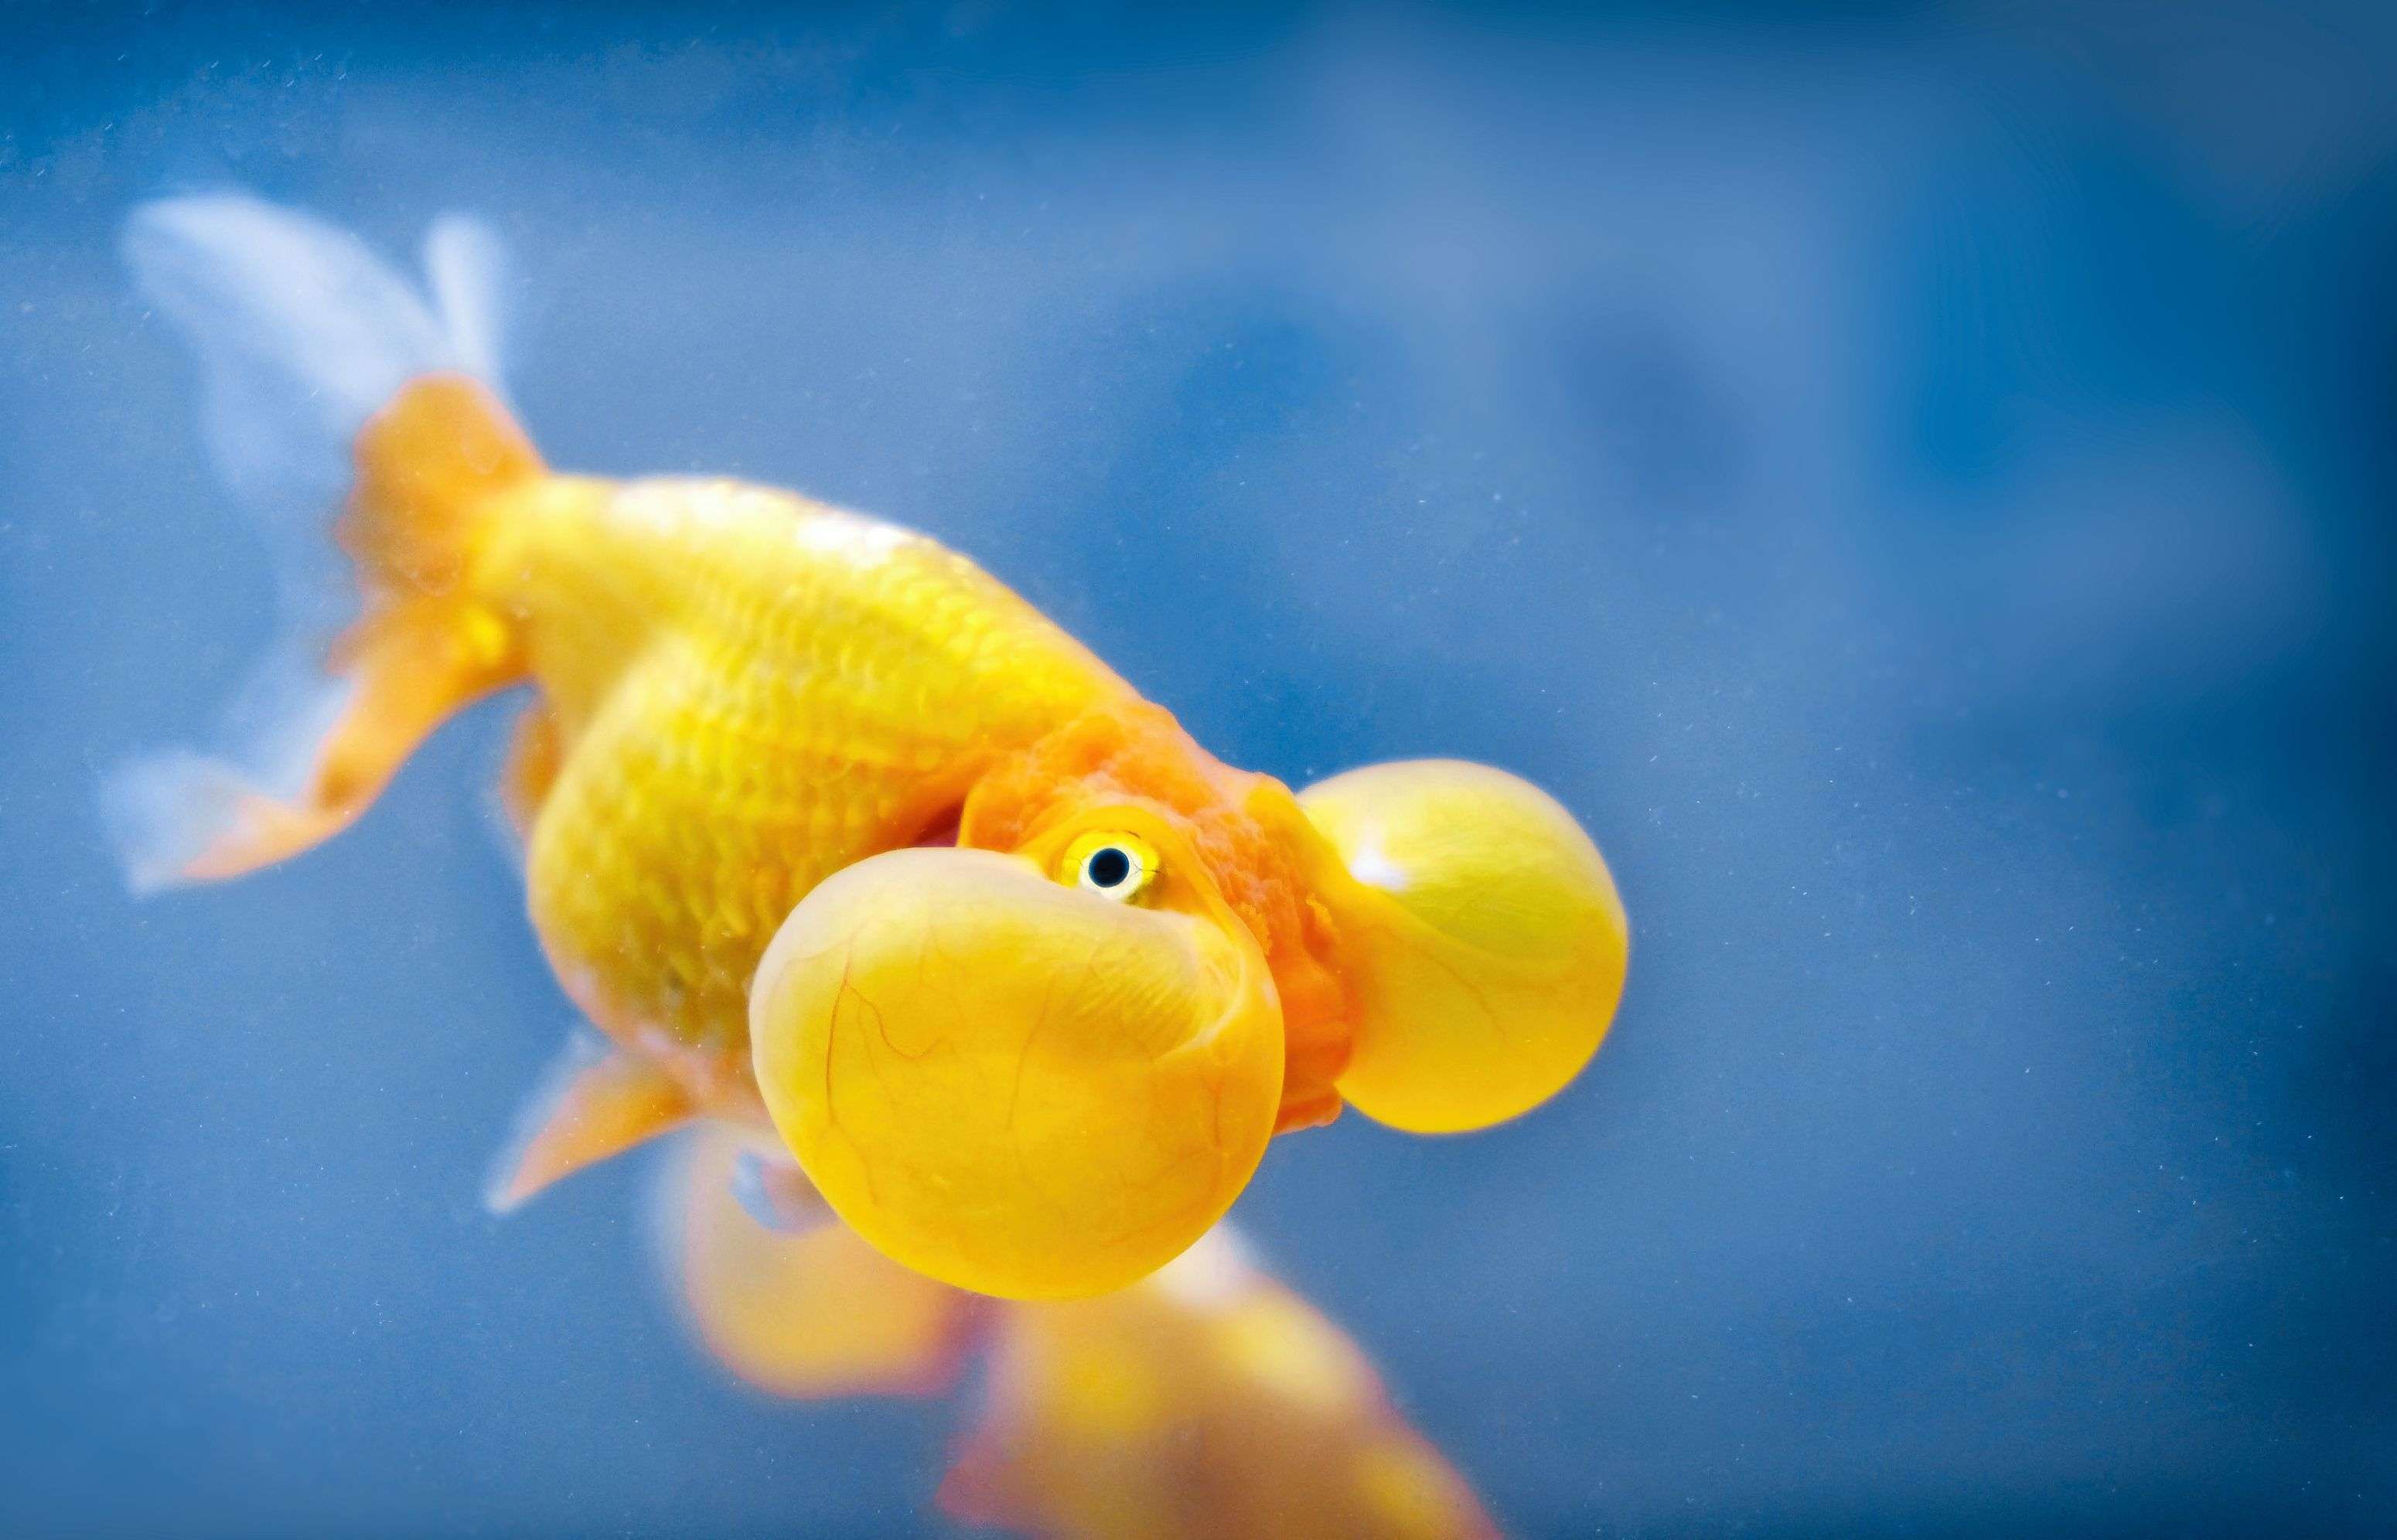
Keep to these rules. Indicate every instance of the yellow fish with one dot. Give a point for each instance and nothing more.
(826, 828)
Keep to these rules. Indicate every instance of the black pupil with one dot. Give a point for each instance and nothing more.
(1109, 867)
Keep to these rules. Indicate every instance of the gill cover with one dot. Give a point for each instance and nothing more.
(1016, 1086)
(1484, 943)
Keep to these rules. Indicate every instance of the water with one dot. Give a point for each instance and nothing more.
(1916, 486)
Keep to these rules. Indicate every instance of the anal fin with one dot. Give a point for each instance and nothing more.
(589, 1108)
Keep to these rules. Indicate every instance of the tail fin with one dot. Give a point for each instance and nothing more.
(302, 335)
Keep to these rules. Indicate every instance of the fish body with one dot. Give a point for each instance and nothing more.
(740, 691)
(745, 692)
(827, 829)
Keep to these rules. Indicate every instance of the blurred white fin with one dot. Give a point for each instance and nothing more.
(301, 333)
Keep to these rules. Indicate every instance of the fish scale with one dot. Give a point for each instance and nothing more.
(784, 688)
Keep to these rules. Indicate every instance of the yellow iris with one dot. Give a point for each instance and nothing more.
(1114, 863)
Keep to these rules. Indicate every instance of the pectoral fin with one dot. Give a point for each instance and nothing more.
(803, 1310)
(1207, 1400)
(588, 1109)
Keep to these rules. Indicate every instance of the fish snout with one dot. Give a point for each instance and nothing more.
(1014, 1086)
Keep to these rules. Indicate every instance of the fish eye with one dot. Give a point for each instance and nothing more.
(1110, 865)
(1107, 866)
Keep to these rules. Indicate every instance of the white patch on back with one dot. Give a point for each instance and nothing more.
(861, 542)
(1370, 867)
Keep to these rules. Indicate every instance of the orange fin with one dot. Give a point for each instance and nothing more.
(411, 666)
(805, 1310)
(534, 754)
(1207, 1400)
(428, 466)
(588, 1109)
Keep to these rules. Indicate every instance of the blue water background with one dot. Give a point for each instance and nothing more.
(1916, 481)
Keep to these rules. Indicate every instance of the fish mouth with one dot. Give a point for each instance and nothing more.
(1015, 1086)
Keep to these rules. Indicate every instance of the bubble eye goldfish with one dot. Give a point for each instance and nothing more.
(825, 828)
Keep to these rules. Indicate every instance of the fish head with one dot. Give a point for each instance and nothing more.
(1039, 1064)
(1040, 1072)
